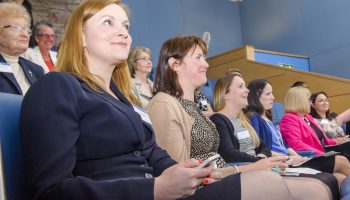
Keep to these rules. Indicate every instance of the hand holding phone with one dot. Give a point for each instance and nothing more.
(209, 161)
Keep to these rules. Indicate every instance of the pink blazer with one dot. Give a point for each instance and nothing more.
(300, 136)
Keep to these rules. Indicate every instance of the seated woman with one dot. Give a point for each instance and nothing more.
(44, 39)
(299, 129)
(260, 101)
(83, 139)
(183, 130)
(320, 112)
(17, 74)
(140, 64)
(236, 133)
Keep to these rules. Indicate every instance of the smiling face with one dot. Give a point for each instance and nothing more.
(143, 63)
(12, 42)
(193, 68)
(106, 36)
(45, 38)
(238, 93)
(321, 104)
(266, 98)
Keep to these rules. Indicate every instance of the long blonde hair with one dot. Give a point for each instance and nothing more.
(71, 57)
(222, 87)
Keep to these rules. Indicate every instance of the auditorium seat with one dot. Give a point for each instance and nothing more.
(345, 189)
(208, 90)
(11, 152)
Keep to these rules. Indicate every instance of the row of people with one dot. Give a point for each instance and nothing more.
(17, 73)
(85, 140)
(260, 101)
(22, 66)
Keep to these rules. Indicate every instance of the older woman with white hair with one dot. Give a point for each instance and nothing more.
(16, 73)
(44, 39)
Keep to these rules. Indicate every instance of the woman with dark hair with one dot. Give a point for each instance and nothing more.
(320, 112)
(260, 102)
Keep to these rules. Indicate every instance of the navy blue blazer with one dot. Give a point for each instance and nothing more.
(8, 82)
(229, 144)
(83, 144)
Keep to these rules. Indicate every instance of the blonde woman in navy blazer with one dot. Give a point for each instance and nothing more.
(85, 140)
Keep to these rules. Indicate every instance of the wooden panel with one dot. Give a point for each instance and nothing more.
(338, 89)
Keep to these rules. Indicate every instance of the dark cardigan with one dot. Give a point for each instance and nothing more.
(229, 144)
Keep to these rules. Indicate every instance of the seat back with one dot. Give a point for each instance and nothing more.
(277, 112)
(208, 90)
(11, 151)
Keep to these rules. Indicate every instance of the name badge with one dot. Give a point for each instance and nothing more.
(243, 133)
(142, 113)
(5, 67)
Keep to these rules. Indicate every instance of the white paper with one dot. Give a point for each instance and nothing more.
(301, 170)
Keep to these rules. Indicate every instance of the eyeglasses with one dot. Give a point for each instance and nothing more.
(19, 29)
(144, 59)
(47, 36)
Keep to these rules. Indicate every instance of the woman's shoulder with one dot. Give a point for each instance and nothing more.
(253, 115)
(58, 80)
(290, 115)
(162, 96)
(55, 85)
(289, 118)
(161, 99)
(218, 117)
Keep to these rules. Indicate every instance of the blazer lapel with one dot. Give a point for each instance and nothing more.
(133, 116)
(11, 77)
(27, 71)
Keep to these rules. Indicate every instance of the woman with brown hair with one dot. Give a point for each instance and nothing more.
(183, 130)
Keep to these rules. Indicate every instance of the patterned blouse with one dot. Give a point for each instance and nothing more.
(331, 128)
(204, 136)
(201, 100)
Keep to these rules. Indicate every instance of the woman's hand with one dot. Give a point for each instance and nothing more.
(267, 163)
(296, 160)
(182, 180)
(341, 140)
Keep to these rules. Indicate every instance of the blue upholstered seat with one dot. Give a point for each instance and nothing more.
(13, 175)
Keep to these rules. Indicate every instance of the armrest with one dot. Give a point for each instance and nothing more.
(238, 163)
(345, 187)
(309, 154)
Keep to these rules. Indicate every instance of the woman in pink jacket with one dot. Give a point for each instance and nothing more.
(302, 133)
(299, 130)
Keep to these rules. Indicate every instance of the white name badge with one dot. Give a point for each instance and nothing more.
(243, 134)
(142, 113)
(4, 67)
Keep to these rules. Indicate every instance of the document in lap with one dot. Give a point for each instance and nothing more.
(327, 154)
